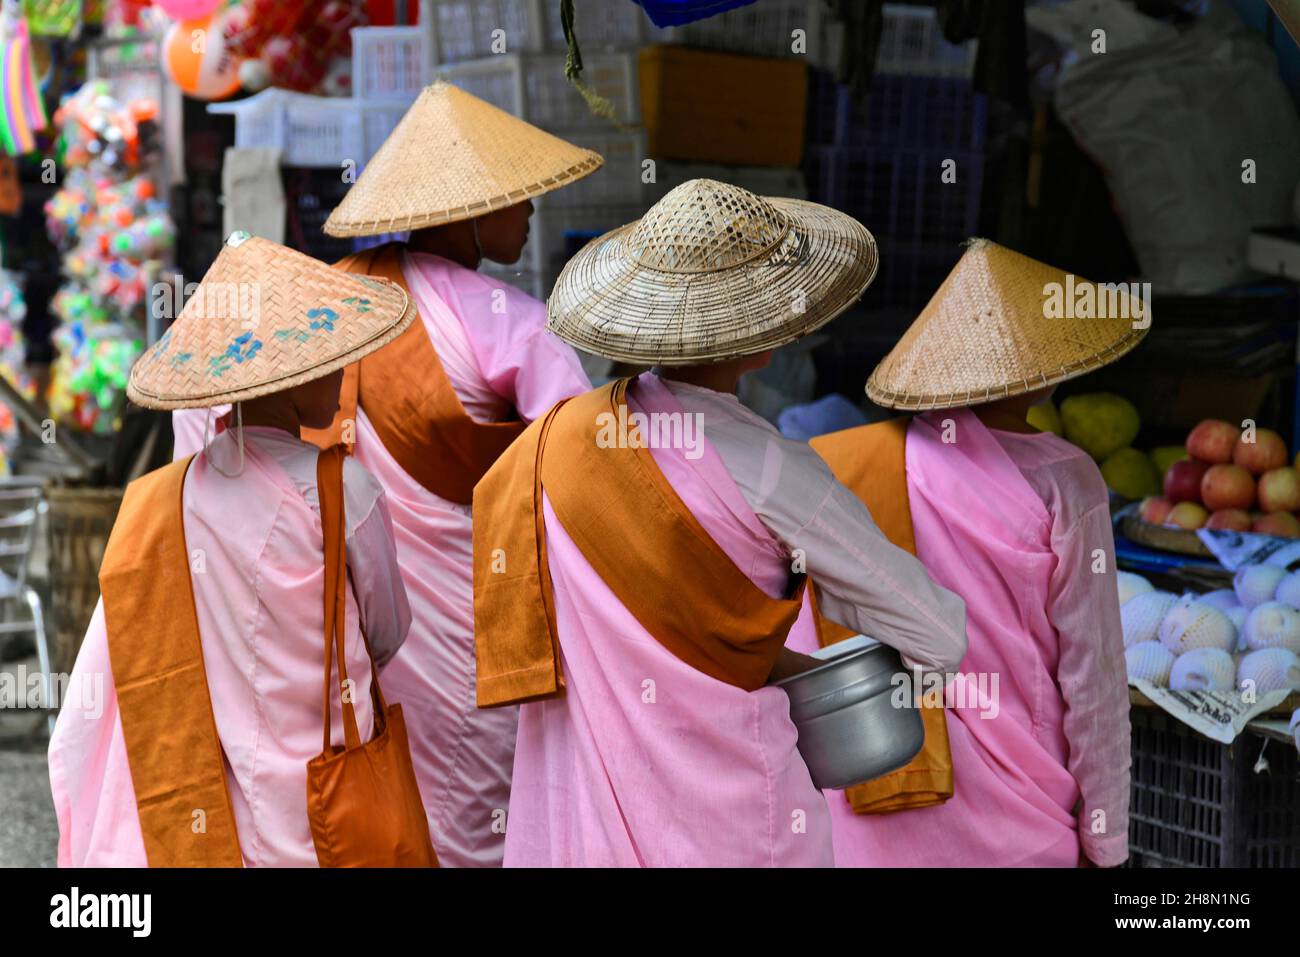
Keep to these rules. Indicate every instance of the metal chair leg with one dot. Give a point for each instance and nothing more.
(42, 651)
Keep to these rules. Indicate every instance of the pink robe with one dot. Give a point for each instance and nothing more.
(492, 342)
(258, 597)
(1030, 774)
(646, 761)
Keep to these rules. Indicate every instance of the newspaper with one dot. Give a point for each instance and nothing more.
(1219, 715)
(1237, 549)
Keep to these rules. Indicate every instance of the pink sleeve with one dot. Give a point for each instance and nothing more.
(1084, 608)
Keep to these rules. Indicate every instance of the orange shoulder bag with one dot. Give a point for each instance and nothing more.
(362, 799)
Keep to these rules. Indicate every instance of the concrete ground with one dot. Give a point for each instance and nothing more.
(29, 836)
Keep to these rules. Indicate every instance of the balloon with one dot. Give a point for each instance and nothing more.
(254, 75)
(188, 9)
(196, 59)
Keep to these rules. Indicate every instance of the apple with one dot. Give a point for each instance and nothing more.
(1188, 515)
(1183, 480)
(1213, 441)
(1281, 524)
(1154, 509)
(1227, 486)
(1230, 520)
(1266, 453)
(1279, 490)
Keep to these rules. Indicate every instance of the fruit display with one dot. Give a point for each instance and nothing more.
(1228, 479)
(1105, 426)
(1245, 638)
(1101, 423)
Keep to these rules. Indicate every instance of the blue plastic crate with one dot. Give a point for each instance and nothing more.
(899, 192)
(823, 108)
(929, 111)
(932, 111)
(910, 273)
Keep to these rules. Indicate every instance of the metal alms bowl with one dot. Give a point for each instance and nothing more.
(850, 726)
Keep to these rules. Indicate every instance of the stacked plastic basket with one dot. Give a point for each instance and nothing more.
(908, 159)
(511, 53)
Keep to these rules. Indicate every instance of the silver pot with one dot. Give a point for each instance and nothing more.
(850, 729)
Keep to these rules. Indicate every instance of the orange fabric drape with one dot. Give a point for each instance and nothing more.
(172, 747)
(638, 535)
(872, 462)
(407, 396)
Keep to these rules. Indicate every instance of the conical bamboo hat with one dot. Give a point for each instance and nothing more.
(264, 319)
(711, 272)
(1002, 324)
(452, 157)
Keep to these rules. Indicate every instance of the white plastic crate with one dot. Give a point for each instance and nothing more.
(912, 44)
(618, 181)
(309, 131)
(532, 86)
(764, 28)
(322, 134)
(389, 63)
(602, 26)
(378, 120)
(466, 29)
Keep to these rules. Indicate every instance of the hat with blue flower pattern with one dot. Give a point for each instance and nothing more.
(266, 318)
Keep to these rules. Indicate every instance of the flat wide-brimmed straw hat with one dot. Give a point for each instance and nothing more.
(711, 272)
(264, 319)
(1001, 325)
(453, 157)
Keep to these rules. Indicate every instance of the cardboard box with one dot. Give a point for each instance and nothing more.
(708, 107)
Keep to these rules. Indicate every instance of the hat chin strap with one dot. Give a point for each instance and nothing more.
(478, 245)
(239, 438)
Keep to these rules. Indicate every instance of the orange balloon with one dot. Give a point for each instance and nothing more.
(196, 59)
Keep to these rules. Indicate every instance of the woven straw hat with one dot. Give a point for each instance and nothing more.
(264, 319)
(1000, 325)
(711, 272)
(453, 157)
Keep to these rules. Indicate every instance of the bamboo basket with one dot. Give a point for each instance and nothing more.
(79, 522)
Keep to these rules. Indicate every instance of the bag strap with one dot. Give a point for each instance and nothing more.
(329, 487)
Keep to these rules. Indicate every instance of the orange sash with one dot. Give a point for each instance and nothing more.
(638, 535)
(872, 462)
(407, 396)
(177, 767)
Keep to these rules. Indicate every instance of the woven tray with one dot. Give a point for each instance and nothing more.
(1163, 537)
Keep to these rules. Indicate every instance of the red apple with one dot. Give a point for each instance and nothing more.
(1281, 524)
(1154, 509)
(1230, 520)
(1227, 486)
(1266, 453)
(1183, 480)
(1188, 515)
(1213, 441)
(1279, 490)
